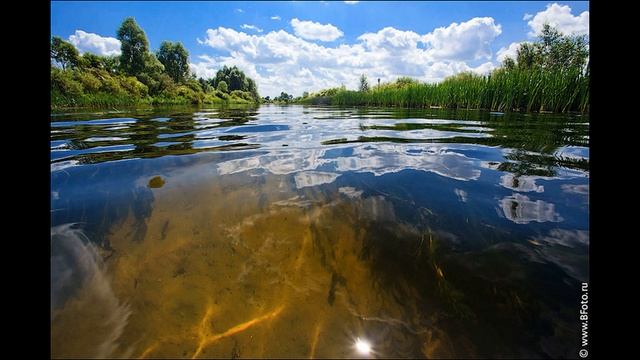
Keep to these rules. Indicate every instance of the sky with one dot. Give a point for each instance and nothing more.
(297, 46)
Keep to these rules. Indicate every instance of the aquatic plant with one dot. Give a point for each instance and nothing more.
(503, 90)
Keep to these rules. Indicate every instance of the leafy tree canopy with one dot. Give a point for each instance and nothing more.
(134, 47)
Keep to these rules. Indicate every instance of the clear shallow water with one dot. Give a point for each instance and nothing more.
(293, 231)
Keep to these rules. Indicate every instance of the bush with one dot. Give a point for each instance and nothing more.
(89, 82)
(111, 85)
(242, 95)
(221, 95)
(194, 85)
(134, 87)
(63, 82)
(187, 93)
(222, 86)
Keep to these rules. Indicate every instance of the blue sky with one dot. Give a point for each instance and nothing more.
(326, 44)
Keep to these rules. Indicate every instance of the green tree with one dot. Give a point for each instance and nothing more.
(204, 84)
(222, 86)
(552, 51)
(154, 76)
(364, 83)
(111, 63)
(284, 97)
(175, 59)
(528, 56)
(64, 53)
(233, 76)
(89, 60)
(508, 63)
(559, 51)
(251, 87)
(134, 47)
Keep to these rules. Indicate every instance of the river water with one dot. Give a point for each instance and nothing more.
(295, 231)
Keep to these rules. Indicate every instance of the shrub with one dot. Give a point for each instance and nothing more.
(111, 85)
(63, 82)
(134, 87)
(89, 82)
(222, 86)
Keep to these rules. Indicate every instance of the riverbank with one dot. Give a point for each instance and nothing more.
(98, 88)
(560, 91)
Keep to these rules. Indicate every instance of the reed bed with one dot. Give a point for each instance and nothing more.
(502, 90)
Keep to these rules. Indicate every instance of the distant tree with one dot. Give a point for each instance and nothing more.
(64, 53)
(284, 97)
(111, 63)
(559, 51)
(89, 60)
(154, 76)
(233, 76)
(251, 87)
(222, 86)
(508, 63)
(205, 85)
(527, 56)
(134, 47)
(175, 59)
(364, 83)
(405, 81)
(305, 94)
(552, 51)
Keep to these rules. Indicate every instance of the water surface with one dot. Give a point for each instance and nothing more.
(293, 231)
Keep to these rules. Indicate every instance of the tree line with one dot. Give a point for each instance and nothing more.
(138, 75)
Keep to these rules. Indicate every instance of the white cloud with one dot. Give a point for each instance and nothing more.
(279, 61)
(239, 10)
(251, 27)
(206, 68)
(560, 17)
(315, 31)
(469, 40)
(351, 2)
(509, 51)
(94, 43)
(527, 16)
(278, 18)
(391, 39)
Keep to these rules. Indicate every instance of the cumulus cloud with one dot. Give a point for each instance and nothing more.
(279, 61)
(94, 43)
(276, 18)
(311, 30)
(206, 68)
(560, 17)
(391, 39)
(527, 16)
(469, 40)
(509, 51)
(251, 27)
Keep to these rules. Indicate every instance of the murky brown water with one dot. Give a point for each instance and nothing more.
(298, 252)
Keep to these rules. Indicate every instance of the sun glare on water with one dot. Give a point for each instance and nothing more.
(363, 346)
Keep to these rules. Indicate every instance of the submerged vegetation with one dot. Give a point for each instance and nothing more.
(138, 76)
(549, 75)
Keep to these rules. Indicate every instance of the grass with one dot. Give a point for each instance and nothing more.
(503, 90)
